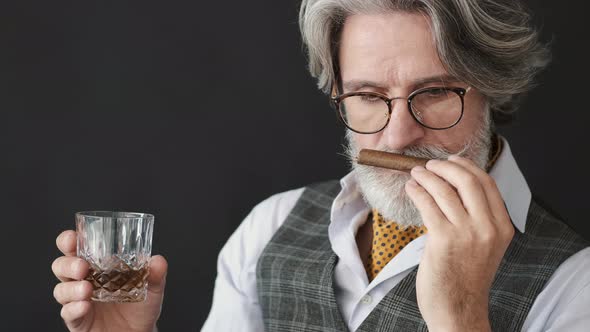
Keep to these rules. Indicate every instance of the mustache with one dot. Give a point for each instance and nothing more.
(420, 151)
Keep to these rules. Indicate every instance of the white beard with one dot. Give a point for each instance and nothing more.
(384, 190)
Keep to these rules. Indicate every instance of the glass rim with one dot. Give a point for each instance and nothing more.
(115, 214)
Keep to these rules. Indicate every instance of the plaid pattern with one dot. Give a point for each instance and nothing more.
(296, 270)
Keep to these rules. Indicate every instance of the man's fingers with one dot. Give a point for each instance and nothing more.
(66, 242)
(442, 192)
(490, 188)
(72, 291)
(432, 216)
(74, 311)
(467, 184)
(68, 268)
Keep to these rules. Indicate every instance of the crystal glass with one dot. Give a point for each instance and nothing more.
(118, 247)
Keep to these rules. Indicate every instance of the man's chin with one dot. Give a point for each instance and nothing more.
(405, 214)
(384, 190)
(406, 220)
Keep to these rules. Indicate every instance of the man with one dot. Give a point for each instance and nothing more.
(458, 245)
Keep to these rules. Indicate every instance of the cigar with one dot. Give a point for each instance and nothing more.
(389, 160)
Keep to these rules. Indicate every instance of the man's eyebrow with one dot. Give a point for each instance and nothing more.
(436, 79)
(355, 85)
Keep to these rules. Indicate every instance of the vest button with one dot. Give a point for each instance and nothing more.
(366, 299)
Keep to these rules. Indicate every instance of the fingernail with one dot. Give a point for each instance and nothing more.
(78, 267)
(453, 157)
(412, 183)
(418, 169)
(81, 288)
(431, 162)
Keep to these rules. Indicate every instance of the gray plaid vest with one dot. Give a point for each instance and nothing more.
(295, 273)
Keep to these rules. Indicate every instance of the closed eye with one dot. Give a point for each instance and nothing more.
(370, 98)
(436, 92)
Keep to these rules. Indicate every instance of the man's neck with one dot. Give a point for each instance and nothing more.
(495, 151)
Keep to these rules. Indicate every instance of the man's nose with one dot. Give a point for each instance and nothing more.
(402, 130)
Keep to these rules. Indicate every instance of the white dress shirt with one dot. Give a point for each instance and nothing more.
(563, 305)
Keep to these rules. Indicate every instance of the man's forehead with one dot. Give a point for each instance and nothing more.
(396, 49)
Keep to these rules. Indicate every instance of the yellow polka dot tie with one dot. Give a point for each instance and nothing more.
(388, 240)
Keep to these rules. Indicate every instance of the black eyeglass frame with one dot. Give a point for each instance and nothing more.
(337, 99)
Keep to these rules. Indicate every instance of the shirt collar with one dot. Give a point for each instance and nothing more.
(513, 186)
(505, 171)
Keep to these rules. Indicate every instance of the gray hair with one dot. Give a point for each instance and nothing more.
(489, 44)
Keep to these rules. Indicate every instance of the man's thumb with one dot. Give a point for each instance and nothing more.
(157, 277)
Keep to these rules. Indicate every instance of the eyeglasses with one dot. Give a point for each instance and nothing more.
(436, 108)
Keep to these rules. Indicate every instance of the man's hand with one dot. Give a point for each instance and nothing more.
(469, 231)
(82, 315)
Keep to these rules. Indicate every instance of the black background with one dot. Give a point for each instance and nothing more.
(195, 111)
